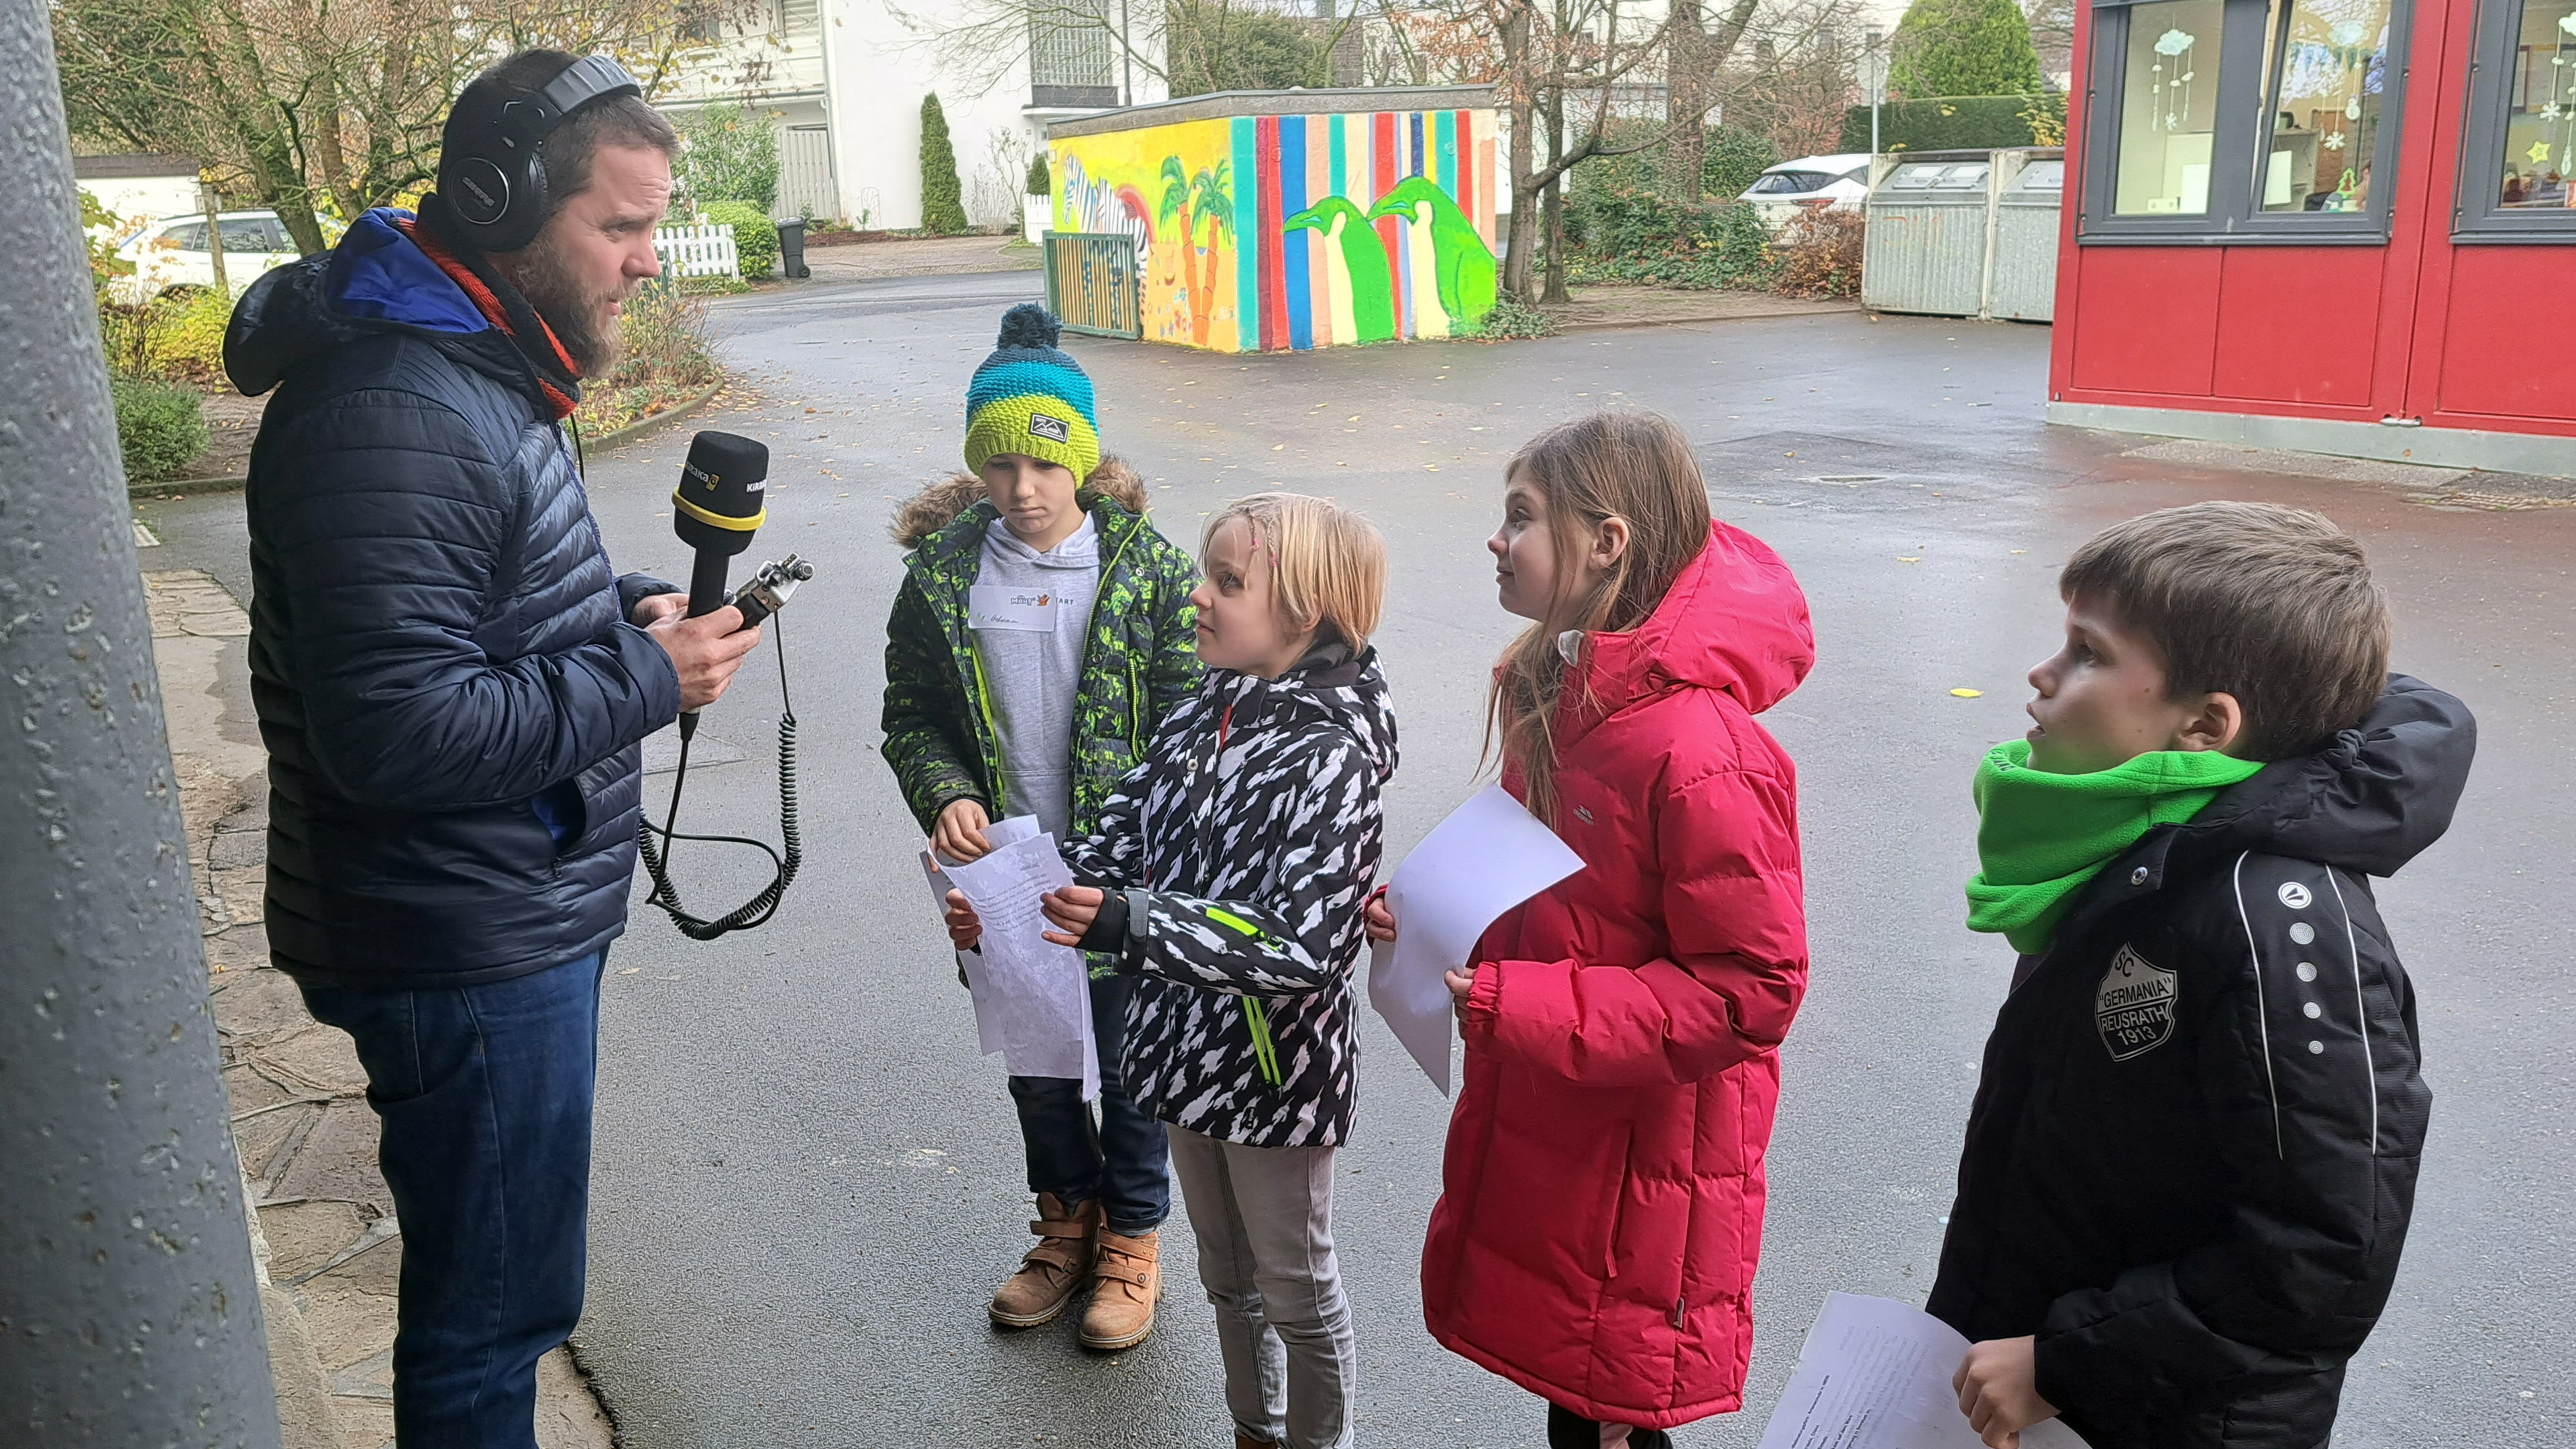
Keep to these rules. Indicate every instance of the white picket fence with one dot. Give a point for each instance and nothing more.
(697, 251)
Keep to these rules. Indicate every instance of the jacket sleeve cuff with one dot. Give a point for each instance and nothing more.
(633, 589)
(1483, 1005)
(1107, 933)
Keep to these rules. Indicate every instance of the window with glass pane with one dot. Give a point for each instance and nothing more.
(2168, 108)
(2540, 115)
(2328, 72)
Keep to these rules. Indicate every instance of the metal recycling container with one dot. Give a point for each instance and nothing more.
(1924, 244)
(2025, 250)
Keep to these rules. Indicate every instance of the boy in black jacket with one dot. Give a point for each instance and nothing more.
(2192, 1155)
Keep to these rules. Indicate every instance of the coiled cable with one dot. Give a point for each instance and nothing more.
(761, 907)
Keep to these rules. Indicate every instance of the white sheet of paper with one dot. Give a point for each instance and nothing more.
(988, 1036)
(1875, 1374)
(1032, 995)
(1487, 857)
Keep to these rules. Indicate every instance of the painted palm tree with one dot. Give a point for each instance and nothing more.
(1465, 265)
(1176, 204)
(1372, 290)
(1209, 196)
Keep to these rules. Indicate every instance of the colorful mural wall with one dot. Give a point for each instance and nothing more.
(1268, 233)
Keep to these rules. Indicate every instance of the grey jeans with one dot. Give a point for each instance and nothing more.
(1264, 1219)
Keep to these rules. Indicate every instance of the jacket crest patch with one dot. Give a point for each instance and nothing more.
(2133, 1008)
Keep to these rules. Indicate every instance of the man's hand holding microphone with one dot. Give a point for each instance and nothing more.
(705, 650)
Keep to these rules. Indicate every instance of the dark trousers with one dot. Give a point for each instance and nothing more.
(485, 1095)
(1567, 1429)
(1120, 1156)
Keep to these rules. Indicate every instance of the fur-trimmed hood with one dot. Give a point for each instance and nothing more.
(937, 506)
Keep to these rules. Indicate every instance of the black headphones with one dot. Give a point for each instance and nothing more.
(491, 172)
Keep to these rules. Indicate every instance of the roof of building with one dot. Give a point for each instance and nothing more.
(100, 168)
(1324, 102)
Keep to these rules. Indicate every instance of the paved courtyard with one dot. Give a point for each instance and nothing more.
(807, 1181)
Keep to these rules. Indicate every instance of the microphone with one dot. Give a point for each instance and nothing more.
(721, 500)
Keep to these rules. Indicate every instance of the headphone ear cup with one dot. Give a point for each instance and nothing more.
(499, 202)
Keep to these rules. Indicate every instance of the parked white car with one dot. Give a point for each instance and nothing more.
(1837, 183)
(172, 253)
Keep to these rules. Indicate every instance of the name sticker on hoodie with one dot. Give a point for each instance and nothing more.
(1001, 606)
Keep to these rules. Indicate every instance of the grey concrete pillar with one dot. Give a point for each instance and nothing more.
(129, 1310)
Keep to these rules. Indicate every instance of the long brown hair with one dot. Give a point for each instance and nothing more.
(1635, 467)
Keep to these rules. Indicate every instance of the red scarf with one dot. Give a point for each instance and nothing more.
(492, 310)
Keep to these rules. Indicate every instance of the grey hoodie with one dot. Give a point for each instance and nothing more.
(1032, 676)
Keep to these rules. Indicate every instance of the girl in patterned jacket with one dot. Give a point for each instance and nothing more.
(1601, 1199)
(1226, 878)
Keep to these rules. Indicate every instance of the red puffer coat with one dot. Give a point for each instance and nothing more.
(1601, 1205)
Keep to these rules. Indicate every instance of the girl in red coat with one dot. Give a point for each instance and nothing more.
(1601, 1204)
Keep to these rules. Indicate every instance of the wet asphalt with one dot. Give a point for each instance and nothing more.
(807, 1182)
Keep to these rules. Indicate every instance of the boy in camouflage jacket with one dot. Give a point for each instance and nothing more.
(952, 688)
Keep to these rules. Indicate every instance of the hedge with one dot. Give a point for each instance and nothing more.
(1946, 123)
(755, 236)
(159, 427)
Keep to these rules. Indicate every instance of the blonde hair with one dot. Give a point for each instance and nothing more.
(1639, 469)
(1327, 564)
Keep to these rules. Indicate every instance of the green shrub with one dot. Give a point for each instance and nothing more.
(1732, 159)
(159, 427)
(729, 155)
(943, 213)
(1962, 48)
(1513, 320)
(1639, 237)
(1955, 123)
(176, 337)
(1040, 183)
(755, 236)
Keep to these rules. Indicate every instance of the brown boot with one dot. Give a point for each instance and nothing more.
(1243, 1440)
(1124, 1288)
(1051, 1271)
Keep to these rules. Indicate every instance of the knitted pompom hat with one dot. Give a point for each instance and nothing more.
(1030, 398)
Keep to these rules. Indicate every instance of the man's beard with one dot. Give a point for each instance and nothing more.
(579, 319)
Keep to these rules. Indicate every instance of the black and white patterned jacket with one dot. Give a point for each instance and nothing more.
(1244, 847)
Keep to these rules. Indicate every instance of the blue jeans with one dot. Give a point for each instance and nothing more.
(1122, 1157)
(484, 1093)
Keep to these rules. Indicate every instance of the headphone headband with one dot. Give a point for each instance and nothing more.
(591, 78)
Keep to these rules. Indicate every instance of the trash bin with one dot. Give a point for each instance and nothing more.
(1923, 246)
(2026, 222)
(791, 249)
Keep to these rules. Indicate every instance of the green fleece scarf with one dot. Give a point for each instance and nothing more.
(2040, 836)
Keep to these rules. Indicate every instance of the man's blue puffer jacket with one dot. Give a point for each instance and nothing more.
(450, 691)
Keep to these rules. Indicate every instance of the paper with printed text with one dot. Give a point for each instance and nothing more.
(1875, 1374)
(1032, 997)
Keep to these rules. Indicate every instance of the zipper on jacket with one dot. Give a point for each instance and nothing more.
(992, 740)
(1265, 1051)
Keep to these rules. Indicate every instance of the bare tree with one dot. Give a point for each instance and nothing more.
(315, 105)
(1702, 40)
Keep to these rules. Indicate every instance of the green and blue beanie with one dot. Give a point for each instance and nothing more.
(1030, 398)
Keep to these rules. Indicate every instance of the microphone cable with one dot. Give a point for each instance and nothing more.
(761, 907)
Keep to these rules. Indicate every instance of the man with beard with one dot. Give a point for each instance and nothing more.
(452, 687)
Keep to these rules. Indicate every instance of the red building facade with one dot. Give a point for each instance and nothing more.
(2347, 226)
